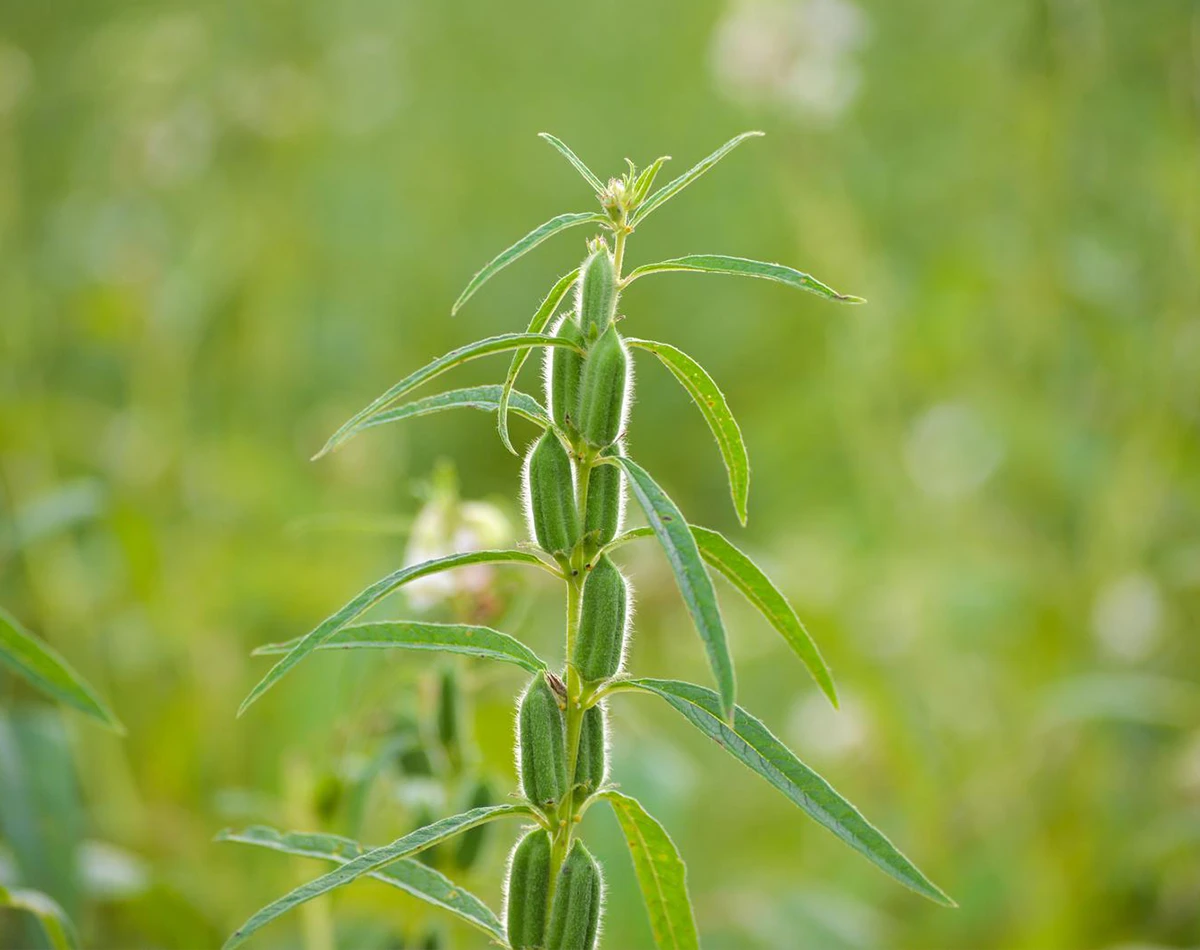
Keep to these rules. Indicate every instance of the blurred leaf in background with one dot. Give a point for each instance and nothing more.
(225, 228)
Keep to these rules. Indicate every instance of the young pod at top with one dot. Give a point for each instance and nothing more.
(528, 892)
(563, 369)
(597, 292)
(542, 742)
(578, 895)
(591, 763)
(605, 503)
(600, 640)
(550, 489)
(603, 390)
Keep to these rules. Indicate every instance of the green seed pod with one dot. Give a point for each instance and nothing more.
(597, 292)
(603, 390)
(563, 369)
(528, 892)
(575, 915)
(450, 717)
(605, 503)
(591, 764)
(542, 741)
(471, 843)
(600, 642)
(551, 494)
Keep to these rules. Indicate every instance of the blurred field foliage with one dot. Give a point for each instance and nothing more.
(225, 227)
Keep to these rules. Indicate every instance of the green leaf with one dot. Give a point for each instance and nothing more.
(41, 665)
(372, 861)
(673, 187)
(485, 397)
(673, 533)
(749, 578)
(660, 873)
(408, 874)
(483, 642)
(526, 244)
(472, 351)
(741, 267)
(711, 402)
(54, 920)
(645, 181)
(371, 596)
(752, 744)
(540, 319)
(588, 175)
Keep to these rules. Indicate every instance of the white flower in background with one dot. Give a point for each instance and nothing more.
(796, 53)
(1127, 616)
(445, 526)
(951, 452)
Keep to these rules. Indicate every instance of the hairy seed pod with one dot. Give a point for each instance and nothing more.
(575, 914)
(551, 492)
(470, 844)
(600, 641)
(603, 390)
(543, 744)
(450, 716)
(528, 892)
(605, 503)
(563, 370)
(591, 764)
(597, 293)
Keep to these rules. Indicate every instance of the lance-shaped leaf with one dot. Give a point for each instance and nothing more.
(752, 744)
(539, 322)
(371, 596)
(482, 642)
(526, 244)
(374, 860)
(673, 533)
(750, 579)
(41, 665)
(645, 181)
(588, 175)
(711, 402)
(741, 267)
(472, 351)
(54, 920)
(673, 187)
(408, 874)
(486, 398)
(660, 873)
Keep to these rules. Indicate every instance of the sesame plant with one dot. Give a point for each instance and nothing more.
(576, 476)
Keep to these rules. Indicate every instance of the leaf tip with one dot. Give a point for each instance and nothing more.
(850, 298)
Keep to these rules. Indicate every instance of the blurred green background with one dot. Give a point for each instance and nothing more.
(225, 227)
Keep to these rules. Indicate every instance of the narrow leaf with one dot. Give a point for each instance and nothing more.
(711, 402)
(750, 579)
(374, 860)
(539, 322)
(408, 874)
(472, 351)
(527, 243)
(673, 187)
(741, 267)
(752, 744)
(371, 596)
(660, 872)
(54, 920)
(645, 181)
(588, 175)
(673, 533)
(485, 397)
(41, 665)
(482, 642)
